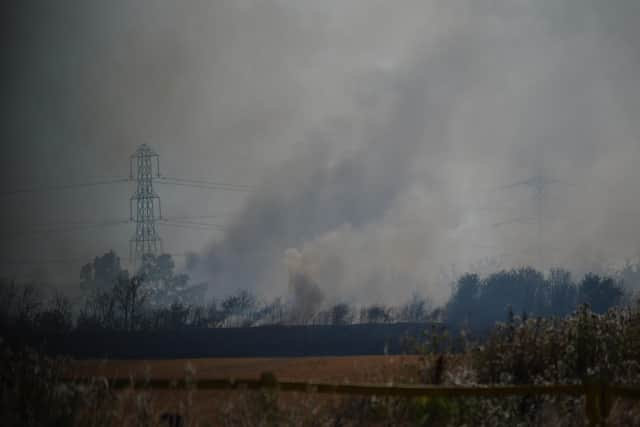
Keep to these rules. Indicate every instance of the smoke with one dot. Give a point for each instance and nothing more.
(496, 95)
(382, 136)
(307, 297)
(312, 198)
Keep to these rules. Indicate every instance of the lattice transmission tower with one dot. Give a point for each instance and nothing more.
(539, 184)
(146, 240)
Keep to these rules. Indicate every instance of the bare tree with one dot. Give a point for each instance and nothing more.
(129, 297)
(375, 314)
(28, 303)
(341, 314)
(58, 316)
(415, 310)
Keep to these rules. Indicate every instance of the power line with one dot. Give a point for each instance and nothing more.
(65, 260)
(539, 184)
(146, 240)
(180, 254)
(187, 217)
(107, 222)
(46, 261)
(85, 226)
(207, 182)
(197, 183)
(193, 226)
(68, 226)
(206, 224)
(207, 186)
(71, 223)
(47, 188)
(516, 220)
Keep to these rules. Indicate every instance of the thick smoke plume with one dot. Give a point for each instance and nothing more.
(382, 136)
(495, 96)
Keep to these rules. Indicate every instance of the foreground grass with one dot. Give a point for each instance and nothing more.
(580, 348)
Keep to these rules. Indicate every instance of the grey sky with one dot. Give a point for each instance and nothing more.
(377, 134)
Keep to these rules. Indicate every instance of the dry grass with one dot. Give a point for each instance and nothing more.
(580, 348)
(219, 405)
(333, 369)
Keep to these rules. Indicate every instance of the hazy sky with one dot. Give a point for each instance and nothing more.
(377, 134)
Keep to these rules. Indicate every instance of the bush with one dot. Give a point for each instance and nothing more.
(582, 347)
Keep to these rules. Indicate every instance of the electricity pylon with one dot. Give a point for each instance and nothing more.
(538, 183)
(146, 240)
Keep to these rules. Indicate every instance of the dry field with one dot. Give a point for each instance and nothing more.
(214, 405)
(378, 369)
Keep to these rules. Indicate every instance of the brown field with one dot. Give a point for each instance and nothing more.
(379, 369)
(214, 405)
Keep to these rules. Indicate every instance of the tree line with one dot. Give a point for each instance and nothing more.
(479, 302)
(158, 297)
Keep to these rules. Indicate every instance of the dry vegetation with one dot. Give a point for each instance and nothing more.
(330, 369)
(580, 348)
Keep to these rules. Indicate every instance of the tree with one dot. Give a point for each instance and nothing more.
(116, 301)
(215, 316)
(341, 314)
(99, 311)
(527, 291)
(8, 295)
(57, 317)
(273, 313)
(102, 273)
(563, 293)
(521, 288)
(375, 314)
(27, 305)
(238, 308)
(601, 293)
(630, 275)
(19, 305)
(160, 280)
(464, 299)
(415, 310)
(176, 316)
(130, 296)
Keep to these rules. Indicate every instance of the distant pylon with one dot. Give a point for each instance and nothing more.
(146, 240)
(539, 184)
